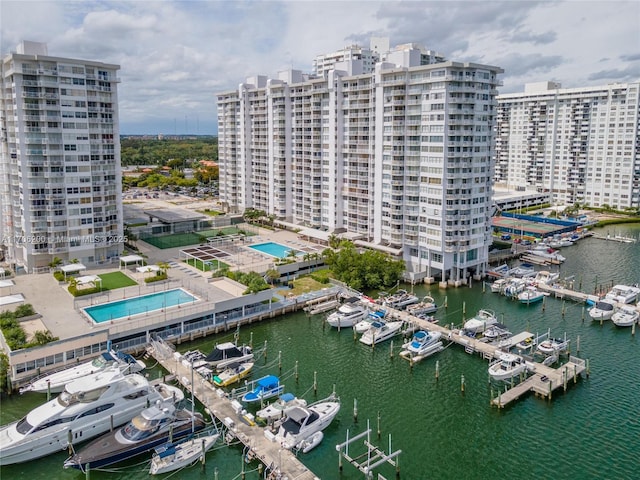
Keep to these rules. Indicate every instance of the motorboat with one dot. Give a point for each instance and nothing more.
(507, 366)
(625, 316)
(365, 324)
(530, 295)
(623, 294)
(55, 382)
(496, 332)
(426, 306)
(524, 270)
(301, 423)
(265, 387)
(347, 315)
(602, 310)
(480, 322)
(544, 277)
(551, 346)
(232, 374)
(171, 456)
(547, 253)
(86, 408)
(527, 344)
(400, 299)
(194, 358)
(153, 426)
(499, 285)
(275, 410)
(381, 331)
(227, 353)
(515, 287)
(423, 342)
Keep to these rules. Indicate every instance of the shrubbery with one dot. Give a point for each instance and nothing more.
(14, 334)
(79, 292)
(157, 277)
(58, 275)
(321, 276)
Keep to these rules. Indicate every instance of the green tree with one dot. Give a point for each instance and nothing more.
(55, 262)
(272, 274)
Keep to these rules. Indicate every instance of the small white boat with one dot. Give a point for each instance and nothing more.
(547, 253)
(623, 294)
(514, 287)
(365, 324)
(424, 307)
(544, 277)
(602, 310)
(347, 315)
(227, 353)
(499, 285)
(310, 443)
(507, 366)
(625, 316)
(552, 346)
(530, 295)
(233, 373)
(496, 332)
(275, 410)
(55, 382)
(381, 331)
(482, 320)
(527, 344)
(172, 457)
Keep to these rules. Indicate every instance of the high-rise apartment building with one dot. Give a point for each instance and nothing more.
(400, 158)
(580, 144)
(60, 179)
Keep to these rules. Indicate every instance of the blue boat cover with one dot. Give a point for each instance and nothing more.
(287, 397)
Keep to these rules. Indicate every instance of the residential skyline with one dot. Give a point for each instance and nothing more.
(170, 74)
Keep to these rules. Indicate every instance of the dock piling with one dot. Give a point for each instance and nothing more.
(437, 369)
(378, 424)
(391, 350)
(355, 410)
(462, 383)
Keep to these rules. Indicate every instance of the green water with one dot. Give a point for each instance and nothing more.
(590, 432)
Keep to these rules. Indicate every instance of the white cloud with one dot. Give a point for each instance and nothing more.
(175, 56)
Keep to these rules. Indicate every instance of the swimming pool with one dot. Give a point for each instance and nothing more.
(136, 305)
(274, 249)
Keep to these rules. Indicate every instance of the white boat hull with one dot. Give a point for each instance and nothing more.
(375, 335)
(623, 318)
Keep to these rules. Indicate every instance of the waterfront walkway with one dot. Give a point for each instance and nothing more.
(278, 461)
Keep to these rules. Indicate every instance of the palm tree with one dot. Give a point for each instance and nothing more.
(272, 274)
(334, 241)
(73, 282)
(55, 262)
(164, 266)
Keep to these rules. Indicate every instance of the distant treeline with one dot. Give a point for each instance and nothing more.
(139, 151)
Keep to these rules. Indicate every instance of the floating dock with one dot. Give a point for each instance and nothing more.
(278, 461)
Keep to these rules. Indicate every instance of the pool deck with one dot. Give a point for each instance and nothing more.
(60, 312)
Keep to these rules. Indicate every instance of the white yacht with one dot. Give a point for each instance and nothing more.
(401, 299)
(55, 382)
(623, 294)
(422, 344)
(625, 316)
(602, 310)
(381, 331)
(483, 319)
(547, 253)
(507, 366)
(498, 285)
(544, 277)
(301, 423)
(88, 407)
(531, 295)
(347, 315)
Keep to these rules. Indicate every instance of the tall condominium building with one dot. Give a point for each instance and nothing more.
(400, 158)
(357, 60)
(60, 179)
(580, 144)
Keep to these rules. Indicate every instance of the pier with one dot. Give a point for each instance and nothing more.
(544, 381)
(563, 293)
(277, 460)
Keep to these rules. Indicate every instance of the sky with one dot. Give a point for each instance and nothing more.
(175, 56)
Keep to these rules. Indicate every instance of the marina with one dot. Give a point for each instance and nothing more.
(430, 392)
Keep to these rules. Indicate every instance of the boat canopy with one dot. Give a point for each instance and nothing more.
(269, 381)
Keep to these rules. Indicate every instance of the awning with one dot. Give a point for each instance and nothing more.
(148, 268)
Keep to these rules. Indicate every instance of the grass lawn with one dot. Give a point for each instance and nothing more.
(304, 285)
(113, 280)
(208, 265)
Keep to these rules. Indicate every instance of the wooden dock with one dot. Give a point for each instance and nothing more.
(315, 308)
(563, 293)
(544, 381)
(277, 461)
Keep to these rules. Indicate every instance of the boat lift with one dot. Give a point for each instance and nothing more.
(369, 460)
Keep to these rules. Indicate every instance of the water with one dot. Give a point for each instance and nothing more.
(273, 249)
(137, 305)
(590, 432)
